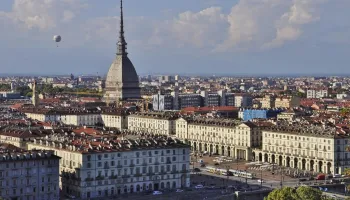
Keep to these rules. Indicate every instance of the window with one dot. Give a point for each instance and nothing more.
(99, 157)
(174, 158)
(88, 165)
(99, 164)
(106, 155)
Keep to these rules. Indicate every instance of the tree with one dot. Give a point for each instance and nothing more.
(309, 193)
(301, 193)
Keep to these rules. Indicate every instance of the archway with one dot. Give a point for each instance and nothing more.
(131, 188)
(320, 165)
(312, 165)
(303, 164)
(150, 186)
(288, 162)
(195, 146)
(211, 149)
(168, 185)
(174, 184)
(329, 165)
(205, 147)
(217, 149)
(280, 160)
(253, 156)
(295, 162)
(138, 188)
(266, 157)
(260, 157)
(125, 189)
(273, 160)
(222, 150)
(162, 185)
(229, 151)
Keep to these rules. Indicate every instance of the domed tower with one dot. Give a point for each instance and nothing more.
(122, 82)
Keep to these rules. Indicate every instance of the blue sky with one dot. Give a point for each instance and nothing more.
(234, 37)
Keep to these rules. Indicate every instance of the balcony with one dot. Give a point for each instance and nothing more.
(89, 179)
(125, 176)
(132, 165)
(100, 177)
(119, 166)
(137, 175)
(174, 172)
(144, 164)
(113, 177)
(156, 163)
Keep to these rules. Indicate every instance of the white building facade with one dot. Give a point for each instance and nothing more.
(127, 166)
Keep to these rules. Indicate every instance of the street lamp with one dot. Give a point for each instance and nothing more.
(281, 176)
(261, 180)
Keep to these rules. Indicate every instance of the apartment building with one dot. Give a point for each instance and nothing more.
(305, 147)
(156, 122)
(19, 137)
(267, 102)
(316, 93)
(108, 165)
(31, 175)
(243, 100)
(287, 102)
(218, 136)
(115, 119)
(77, 117)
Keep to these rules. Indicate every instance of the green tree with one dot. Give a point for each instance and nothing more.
(309, 193)
(301, 193)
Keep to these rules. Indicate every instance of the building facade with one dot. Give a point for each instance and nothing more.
(99, 168)
(223, 137)
(316, 93)
(31, 175)
(305, 147)
(157, 123)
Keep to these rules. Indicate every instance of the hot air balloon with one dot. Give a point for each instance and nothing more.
(57, 38)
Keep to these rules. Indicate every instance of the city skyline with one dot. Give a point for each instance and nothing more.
(183, 37)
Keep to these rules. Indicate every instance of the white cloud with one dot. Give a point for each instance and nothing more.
(42, 14)
(201, 29)
(250, 24)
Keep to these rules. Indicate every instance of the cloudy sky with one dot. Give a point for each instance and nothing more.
(235, 37)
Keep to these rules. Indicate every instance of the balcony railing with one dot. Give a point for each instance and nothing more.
(119, 166)
(100, 177)
(89, 179)
(138, 175)
(113, 177)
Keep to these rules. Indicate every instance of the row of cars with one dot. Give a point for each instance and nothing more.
(156, 192)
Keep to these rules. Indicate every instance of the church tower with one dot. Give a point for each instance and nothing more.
(35, 99)
(122, 82)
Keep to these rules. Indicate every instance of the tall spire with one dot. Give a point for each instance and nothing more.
(121, 43)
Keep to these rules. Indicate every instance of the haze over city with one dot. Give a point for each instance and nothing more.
(177, 37)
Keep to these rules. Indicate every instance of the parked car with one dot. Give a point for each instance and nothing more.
(196, 170)
(157, 192)
(321, 177)
(260, 181)
(199, 187)
(179, 190)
